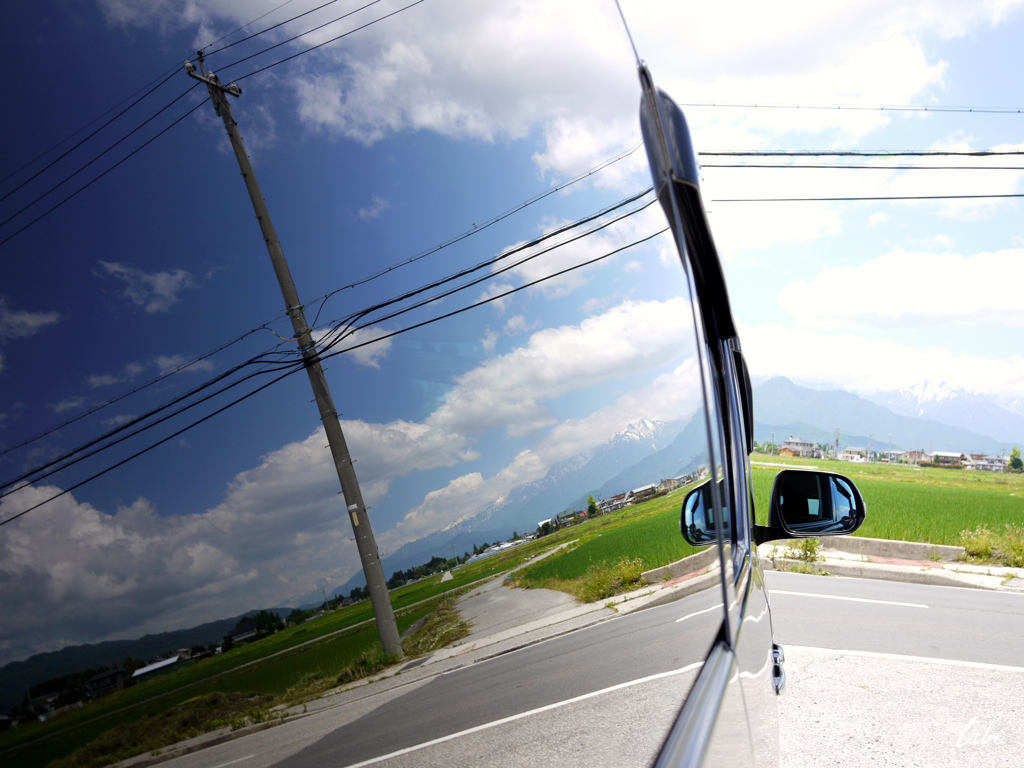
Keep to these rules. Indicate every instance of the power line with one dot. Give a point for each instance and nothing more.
(97, 178)
(859, 153)
(97, 157)
(859, 107)
(80, 143)
(289, 21)
(315, 47)
(249, 24)
(864, 167)
(130, 392)
(299, 366)
(846, 199)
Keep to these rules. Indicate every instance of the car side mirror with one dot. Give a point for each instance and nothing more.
(812, 504)
(697, 520)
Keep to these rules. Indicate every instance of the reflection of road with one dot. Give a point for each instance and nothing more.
(604, 695)
(633, 648)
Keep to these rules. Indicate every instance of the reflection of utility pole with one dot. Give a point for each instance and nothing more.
(325, 597)
(368, 555)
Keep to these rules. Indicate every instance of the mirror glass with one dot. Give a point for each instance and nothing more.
(697, 522)
(817, 502)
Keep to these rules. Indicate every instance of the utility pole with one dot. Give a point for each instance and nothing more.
(368, 555)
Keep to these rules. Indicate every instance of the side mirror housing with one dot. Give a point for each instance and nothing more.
(812, 504)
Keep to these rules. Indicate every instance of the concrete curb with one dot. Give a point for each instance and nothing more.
(904, 550)
(880, 571)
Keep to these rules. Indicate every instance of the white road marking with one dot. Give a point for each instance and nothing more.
(852, 599)
(521, 715)
(698, 613)
(237, 760)
(900, 657)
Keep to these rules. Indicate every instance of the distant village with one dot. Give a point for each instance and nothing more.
(795, 447)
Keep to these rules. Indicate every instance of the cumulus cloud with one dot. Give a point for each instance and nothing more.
(91, 575)
(153, 291)
(508, 390)
(861, 364)
(911, 290)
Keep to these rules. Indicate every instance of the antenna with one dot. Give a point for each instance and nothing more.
(630, 36)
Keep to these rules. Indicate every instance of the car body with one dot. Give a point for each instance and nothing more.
(730, 715)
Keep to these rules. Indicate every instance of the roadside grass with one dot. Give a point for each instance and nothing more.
(904, 503)
(186, 720)
(610, 553)
(444, 626)
(35, 744)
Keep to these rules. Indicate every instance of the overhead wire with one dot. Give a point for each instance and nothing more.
(80, 143)
(865, 167)
(81, 168)
(134, 390)
(315, 47)
(100, 176)
(289, 21)
(858, 107)
(248, 24)
(207, 417)
(859, 198)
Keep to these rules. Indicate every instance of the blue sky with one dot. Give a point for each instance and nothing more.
(374, 149)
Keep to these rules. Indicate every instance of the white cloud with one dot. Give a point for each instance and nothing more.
(518, 325)
(877, 219)
(179, 364)
(372, 211)
(489, 340)
(91, 575)
(68, 404)
(19, 324)
(367, 352)
(507, 391)
(913, 289)
(153, 291)
(496, 289)
(860, 364)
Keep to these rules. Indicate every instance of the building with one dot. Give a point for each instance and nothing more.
(612, 503)
(854, 454)
(105, 682)
(163, 665)
(641, 493)
(989, 463)
(797, 447)
(947, 458)
(242, 633)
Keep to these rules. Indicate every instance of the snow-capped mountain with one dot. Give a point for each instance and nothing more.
(955, 406)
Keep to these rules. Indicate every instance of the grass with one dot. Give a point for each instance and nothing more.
(193, 717)
(928, 505)
(608, 554)
(443, 627)
(604, 556)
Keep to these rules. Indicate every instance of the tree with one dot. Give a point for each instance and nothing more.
(591, 506)
(1015, 461)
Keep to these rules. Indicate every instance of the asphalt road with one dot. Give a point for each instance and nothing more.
(605, 695)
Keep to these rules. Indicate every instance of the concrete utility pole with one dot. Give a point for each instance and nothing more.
(375, 582)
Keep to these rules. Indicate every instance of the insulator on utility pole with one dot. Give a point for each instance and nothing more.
(365, 542)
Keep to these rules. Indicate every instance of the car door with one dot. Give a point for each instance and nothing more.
(713, 726)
